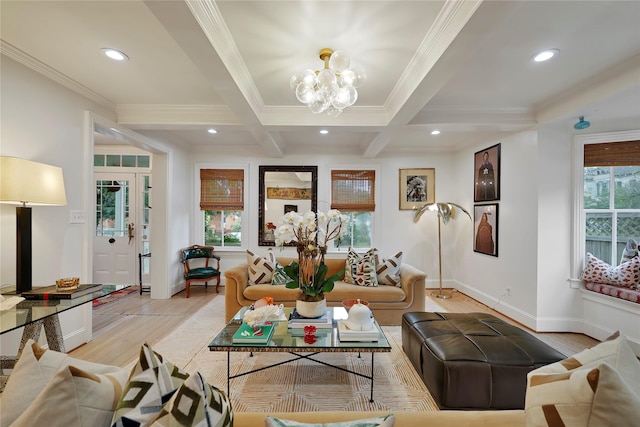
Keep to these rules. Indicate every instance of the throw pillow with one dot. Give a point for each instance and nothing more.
(33, 371)
(388, 270)
(152, 382)
(614, 404)
(630, 251)
(627, 274)
(361, 269)
(280, 277)
(260, 269)
(560, 399)
(196, 404)
(385, 421)
(73, 397)
(615, 351)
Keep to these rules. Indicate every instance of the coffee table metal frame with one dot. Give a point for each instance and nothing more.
(283, 341)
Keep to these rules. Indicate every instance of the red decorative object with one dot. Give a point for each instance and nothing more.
(310, 330)
(310, 339)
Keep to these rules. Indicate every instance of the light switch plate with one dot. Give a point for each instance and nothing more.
(76, 217)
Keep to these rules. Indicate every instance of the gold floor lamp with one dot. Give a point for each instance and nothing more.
(446, 211)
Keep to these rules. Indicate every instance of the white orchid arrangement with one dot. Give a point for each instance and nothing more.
(311, 233)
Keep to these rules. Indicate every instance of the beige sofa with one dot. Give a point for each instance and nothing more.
(388, 303)
(403, 418)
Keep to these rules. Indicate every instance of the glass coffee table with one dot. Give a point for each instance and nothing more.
(292, 341)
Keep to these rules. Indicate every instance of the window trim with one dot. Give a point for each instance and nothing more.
(578, 235)
(197, 217)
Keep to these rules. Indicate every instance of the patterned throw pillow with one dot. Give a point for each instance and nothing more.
(630, 251)
(361, 269)
(152, 383)
(196, 404)
(627, 274)
(385, 421)
(388, 270)
(614, 404)
(280, 277)
(33, 371)
(260, 269)
(73, 397)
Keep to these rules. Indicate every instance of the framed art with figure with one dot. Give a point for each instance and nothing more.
(487, 174)
(485, 226)
(417, 187)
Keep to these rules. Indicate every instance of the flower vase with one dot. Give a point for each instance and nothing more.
(311, 309)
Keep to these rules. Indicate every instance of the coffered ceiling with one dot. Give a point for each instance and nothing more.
(462, 67)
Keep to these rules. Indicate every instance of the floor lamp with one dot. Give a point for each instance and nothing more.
(446, 211)
(25, 182)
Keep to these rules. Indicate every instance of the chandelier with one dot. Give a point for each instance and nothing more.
(331, 89)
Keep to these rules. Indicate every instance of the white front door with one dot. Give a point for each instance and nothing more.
(114, 248)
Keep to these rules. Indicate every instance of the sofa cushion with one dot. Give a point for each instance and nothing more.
(361, 269)
(33, 371)
(196, 404)
(383, 421)
(73, 397)
(151, 384)
(388, 270)
(626, 274)
(340, 292)
(260, 269)
(628, 294)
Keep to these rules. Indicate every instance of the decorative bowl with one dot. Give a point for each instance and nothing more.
(68, 283)
(348, 303)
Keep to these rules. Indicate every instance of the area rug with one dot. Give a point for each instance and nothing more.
(301, 385)
(115, 296)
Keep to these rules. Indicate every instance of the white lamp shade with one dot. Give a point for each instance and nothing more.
(24, 181)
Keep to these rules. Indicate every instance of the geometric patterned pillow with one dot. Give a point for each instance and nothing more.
(627, 274)
(280, 277)
(73, 397)
(630, 251)
(361, 269)
(560, 399)
(260, 269)
(614, 351)
(388, 270)
(384, 421)
(151, 384)
(196, 404)
(614, 404)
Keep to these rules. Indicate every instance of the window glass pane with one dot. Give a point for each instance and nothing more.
(598, 232)
(627, 227)
(143, 161)
(596, 187)
(113, 160)
(222, 228)
(359, 232)
(98, 160)
(129, 161)
(627, 187)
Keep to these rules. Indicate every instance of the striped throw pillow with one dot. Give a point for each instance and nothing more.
(388, 270)
(260, 269)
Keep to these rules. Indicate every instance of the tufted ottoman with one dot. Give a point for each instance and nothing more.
(473, 360)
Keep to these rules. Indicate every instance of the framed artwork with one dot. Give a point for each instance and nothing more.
(485, 226)
(290, 208)
(486, 172)
(417, 187)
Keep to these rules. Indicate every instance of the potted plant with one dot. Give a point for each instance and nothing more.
(311, 234)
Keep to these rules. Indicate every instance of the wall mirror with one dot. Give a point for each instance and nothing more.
(282, 189)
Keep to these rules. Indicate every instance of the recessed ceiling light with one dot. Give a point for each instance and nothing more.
(212, 130)
(435, 132)
(545, 55)
(324, 131)
(114, 54)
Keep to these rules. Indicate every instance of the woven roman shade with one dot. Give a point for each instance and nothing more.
(222, 189)
(626, 153)
(353, 190)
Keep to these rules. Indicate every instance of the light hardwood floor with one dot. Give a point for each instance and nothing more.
(122, 326)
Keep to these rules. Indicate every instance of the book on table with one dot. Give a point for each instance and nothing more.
(247, 334)
(297, 321)
(52, 292)
(346, 334)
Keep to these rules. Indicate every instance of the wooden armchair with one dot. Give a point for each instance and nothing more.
(195, 260)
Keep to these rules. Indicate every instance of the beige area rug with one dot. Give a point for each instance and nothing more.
(301, 385)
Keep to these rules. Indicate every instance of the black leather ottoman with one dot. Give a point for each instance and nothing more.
(473, 360)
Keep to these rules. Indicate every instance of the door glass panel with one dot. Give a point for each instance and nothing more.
(112, 208)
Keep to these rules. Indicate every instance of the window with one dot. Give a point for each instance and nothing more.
(353, 193)
(222, 203)
(611, 198)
